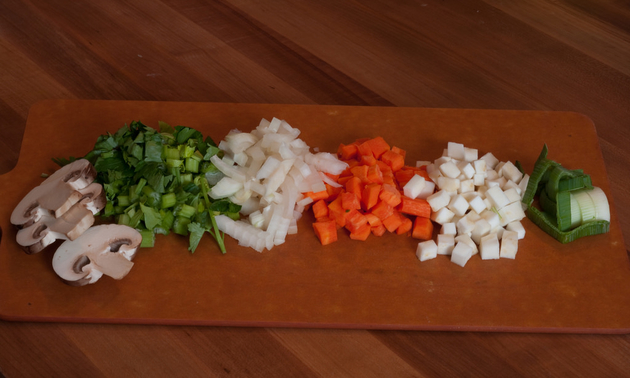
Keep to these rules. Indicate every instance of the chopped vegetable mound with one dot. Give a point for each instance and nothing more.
(155, 181)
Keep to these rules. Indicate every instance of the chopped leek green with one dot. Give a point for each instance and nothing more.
(155, 181)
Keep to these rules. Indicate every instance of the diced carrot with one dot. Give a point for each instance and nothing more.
(320, 209)
(378, 146)
(404, 175)
(362, 233)
(405, 226)
(368, 160)
(379, 230)
(361, 171)
(333, 192)
(390, 194)
(395, 160)
(418, 207)
(351, 163)
(316, 196)
(360, 141)
(355, 220)
(333, 177)
(337, 212)
(326, 231)
(392, 222)
(350, 201)
(422, 228)
(370, 194)
(354, 185)
(347, 151)
(364, 149)
(399, 151)
(373, 220)
(382, 210)
(343, 180)
(375, 175)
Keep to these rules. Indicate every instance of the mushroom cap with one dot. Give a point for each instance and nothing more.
(105, 249)
(57, 193)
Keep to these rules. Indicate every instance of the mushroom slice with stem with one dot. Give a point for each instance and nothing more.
(101, 250)
(58, 193)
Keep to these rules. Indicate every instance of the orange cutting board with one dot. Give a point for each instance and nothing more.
(581, 287)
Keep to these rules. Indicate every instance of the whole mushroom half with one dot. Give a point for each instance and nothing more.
(61, 207)
(101, 250)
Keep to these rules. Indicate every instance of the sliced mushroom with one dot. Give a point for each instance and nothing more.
(57, 193)
(101, 250)
(62, 207)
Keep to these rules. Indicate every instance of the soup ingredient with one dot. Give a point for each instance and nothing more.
(101, 250)
(62, 207)
(570, 206)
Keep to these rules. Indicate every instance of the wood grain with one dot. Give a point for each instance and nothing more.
(492, 54)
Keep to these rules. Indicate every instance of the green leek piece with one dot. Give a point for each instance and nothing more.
(548, 224)
(541, 171)
(563, 210)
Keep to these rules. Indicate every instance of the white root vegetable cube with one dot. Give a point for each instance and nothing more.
(482, 228)
(491, 160)
(429, 188)
(466, 186)
(516, 226)
(465, 225)
(461, 253)
(414, 186)
(448, 184)
(458, 205)
(491, 174)
(510, 172)
(477, 204)
(489, 247)
(445, 244)
(497, 197)
(448, 229)
(442, 216)
(512, 194)
(471, 154)
(510, 213)
(492, 218)
(456, 150)
(426, 250)
(466, 169)
(479, 179)
(439, 200)
(467, 239)
(450, 169)
(509, 244)
(480, 166)
(523, 184)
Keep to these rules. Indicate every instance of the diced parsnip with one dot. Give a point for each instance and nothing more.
(426, 250)
(510, 213)
(461, 253)
(414, 186)
(510, 172)
(445, 244)
(512, 194)
(480, 166)
(468, 240)
(477, 204)
(466, 186)
(482, 228)
(450, 169)
(466, 168)
(493, 218)
(442, 216)
(458, 205)
(439, 200)
(448, 184)
(470, 154)
(429, 188)
(456, 150)
(517, 227)
(497, 197)
(448, 229)
(491, 160)
(491, 174)
(509, 244)
(489, 247)
(512, 185)
(465, 225)
(479, 179)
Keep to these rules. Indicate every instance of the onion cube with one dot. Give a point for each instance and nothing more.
(461, 253)
(426, 250)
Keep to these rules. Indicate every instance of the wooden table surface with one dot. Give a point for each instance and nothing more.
(493, 54)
